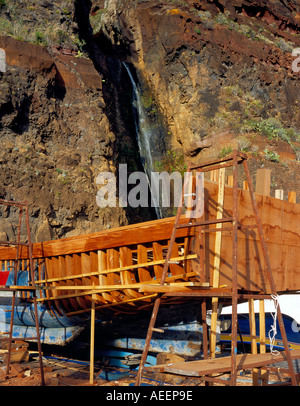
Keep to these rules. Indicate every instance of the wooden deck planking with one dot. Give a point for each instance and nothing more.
(222, 364)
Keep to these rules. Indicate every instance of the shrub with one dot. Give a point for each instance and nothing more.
(40, 38)
(271, 156)
(225, 151)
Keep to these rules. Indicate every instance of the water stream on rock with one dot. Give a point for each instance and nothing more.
(150, 138)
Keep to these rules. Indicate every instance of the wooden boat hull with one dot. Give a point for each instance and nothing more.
(110, 267)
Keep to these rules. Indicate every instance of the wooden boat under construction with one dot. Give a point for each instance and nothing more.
(120, 269)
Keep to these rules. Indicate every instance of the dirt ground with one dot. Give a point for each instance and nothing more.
(64, 372)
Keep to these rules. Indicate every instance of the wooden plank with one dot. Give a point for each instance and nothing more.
(48, 264)
(245, 185)
(53, 271)
(252, 329)
(128, 276)
(175, 268)
(62, 272)
(155, 230)
(89, 290)
(263, 182)
(216, 264)
(142, 233)
(16, 287)
(85, 269)
(292, 268)
(230, 180)
(77, 270)
(112, 305)
(279, 194)
(73, 295)
(172, 286)
(271, 217)
(157, 256)
(69, 272)
(214, 176)
(262, 338)
(113, 261)
(102, 266)
(290, 224)
(292, 197)
(95, 278)
(223, 364)
(188, 290)
(143, 272)
(119, 269)
(92, 341)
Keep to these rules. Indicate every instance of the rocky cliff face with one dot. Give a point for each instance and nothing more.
(219, 71)
(217, 75)
(55, 138)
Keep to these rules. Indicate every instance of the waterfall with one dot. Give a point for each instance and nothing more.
(149, 136)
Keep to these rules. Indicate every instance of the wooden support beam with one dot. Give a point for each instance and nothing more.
(245, 185)
(92, 341)
(114, 270)
(230, 180)
(105, 289)
(279, 194)
(222, 364)
(292, 197)
(111, 305)
(262, 338)
(253, 338)
(216, 265)
(214, 175)
(185, 290)
(263, 182)
(148, 288)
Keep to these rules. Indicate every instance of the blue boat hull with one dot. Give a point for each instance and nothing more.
(54, 328)
(179, 331)
(291, 327)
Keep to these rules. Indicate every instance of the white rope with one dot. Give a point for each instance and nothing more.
(273, 331)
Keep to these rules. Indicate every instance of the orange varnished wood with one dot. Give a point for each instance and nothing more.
(147, 242)
(157, 255)
(128, 277)
(144, 274)
(70, 282)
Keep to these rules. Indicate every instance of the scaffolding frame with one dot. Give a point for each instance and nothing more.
(18, 289)
(233, 160)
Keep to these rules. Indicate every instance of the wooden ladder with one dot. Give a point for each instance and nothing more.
(30, 289)
(234, 160)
